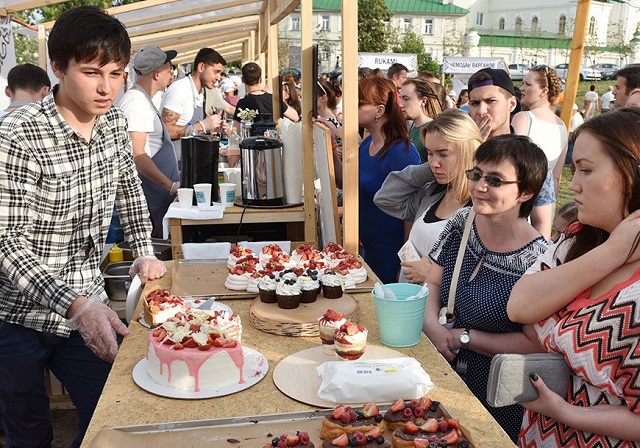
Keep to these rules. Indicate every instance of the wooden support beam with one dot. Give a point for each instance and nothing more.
(306, 47)
(350, 124)
(575, 61)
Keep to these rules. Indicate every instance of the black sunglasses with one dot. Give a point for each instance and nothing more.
(542, 67)
(493, 181)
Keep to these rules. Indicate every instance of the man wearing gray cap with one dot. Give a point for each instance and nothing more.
(153, 151)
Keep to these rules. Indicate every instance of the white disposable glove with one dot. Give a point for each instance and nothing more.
(98, 325)
(212, 122)
(148, 267)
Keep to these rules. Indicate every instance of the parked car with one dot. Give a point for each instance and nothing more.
(517, 71)
(586, 73)
(608, 71)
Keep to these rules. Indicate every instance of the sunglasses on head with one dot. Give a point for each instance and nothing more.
(542, 67)
(475, 175)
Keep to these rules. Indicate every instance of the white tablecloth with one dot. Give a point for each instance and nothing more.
(175, 211)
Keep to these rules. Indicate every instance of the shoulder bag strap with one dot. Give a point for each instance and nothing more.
(456, 269)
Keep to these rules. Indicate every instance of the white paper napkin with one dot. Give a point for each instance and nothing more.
(379, 380)
(175, 211)
(200, 251)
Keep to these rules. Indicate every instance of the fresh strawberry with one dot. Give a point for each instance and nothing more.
(453, 423)
(399, 405)
(430, 425)
(451, 438)
(178, 346)
(338, 412)
(205, 347)
(425, 403)
(443, 426)
(410, 428)
(370, 409)
(342, 440)
(375, 432)
(189, 343)
(293, 440)
(226, 343)
(351, 328)
(420, 443)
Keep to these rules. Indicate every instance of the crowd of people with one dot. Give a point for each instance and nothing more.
(469, 180)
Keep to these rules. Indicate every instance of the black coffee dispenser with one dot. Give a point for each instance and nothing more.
(200, 162)
(263, 124)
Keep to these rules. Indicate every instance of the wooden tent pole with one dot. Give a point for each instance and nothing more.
(350, 124)
(575, 61)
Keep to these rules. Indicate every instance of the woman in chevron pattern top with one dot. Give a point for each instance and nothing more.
(583, 295)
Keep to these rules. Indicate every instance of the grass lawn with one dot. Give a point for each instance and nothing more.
(564, 195)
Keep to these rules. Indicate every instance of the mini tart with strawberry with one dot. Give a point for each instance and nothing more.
(238, 278)
(346, 420)
(402, 412)
(236, 253)
(305, 252)
(430, 432)
(371, 439)
(268, 252)
(299, 440)
(160, 305)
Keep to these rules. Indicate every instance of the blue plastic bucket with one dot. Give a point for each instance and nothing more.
(400, 321)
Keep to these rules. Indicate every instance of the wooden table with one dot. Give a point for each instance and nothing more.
(295, 216)
(123, 403)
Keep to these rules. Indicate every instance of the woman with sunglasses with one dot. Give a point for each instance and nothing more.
(539, 92)
(508, 172)
(419, 103)
(586, 290)
(428, 194)
(387, 148)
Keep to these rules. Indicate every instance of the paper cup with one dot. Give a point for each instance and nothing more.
(400, 321)
(185, 197)
(227, 193)
(203, 195)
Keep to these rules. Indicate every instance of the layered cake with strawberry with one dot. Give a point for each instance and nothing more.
(347, 420)
(370, 439)
(236, 253)
(350, 341)
(197, 350)
(403, 411)
(430, 432)
(299, 440)
(159, 305)
(327, 326)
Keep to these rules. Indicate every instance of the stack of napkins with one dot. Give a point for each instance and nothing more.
(379, 380)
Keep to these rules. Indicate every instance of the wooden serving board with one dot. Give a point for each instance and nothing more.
(301, 321)
(296, 375)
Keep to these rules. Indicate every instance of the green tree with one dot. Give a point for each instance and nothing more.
(27, 47)
(373, 32)
(412, 43)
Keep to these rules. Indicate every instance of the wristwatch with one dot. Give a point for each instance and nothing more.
(465, 337)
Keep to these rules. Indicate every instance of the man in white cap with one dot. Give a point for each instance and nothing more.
(153, 151)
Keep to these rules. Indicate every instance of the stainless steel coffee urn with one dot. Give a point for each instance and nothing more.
(262, 172)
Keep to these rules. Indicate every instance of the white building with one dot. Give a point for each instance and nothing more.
(528, 31)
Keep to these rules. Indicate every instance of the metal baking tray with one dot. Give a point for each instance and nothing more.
(237, 432)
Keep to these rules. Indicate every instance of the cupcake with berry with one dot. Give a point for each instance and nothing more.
(288, 294)
(350, 341)
(299, 440)
(309, 286)
(267, 288)
(332, 285)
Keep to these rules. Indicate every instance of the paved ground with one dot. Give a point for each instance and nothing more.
(64, 428)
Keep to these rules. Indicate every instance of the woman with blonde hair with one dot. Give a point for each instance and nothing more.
(420, 104)
(429, 194)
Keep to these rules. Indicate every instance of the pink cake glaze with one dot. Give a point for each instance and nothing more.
(194, 358)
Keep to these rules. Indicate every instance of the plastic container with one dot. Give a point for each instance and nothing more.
(117, 280)
(400, 321)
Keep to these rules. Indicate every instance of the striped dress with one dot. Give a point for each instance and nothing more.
(599, 338)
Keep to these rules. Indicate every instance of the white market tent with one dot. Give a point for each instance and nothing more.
(246, 30)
